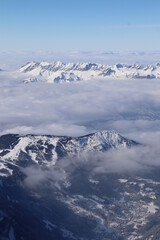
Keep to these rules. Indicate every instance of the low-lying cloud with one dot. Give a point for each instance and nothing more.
(133, 161)
(128, 106)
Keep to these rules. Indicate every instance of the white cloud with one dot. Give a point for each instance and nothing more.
(128, 106)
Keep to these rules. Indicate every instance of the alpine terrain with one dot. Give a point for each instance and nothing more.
(49, 190)
(59, 72)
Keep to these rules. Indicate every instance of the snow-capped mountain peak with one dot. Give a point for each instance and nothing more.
(47, 149)
(69, 72)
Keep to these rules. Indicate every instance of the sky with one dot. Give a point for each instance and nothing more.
(81, 25)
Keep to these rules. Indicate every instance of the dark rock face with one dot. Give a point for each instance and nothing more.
(8, 141)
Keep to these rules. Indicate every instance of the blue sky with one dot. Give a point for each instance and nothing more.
(80, 25)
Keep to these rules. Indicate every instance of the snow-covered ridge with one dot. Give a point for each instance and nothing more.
(47, 149)
(69, 72)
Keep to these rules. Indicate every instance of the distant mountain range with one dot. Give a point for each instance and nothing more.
(59, 72)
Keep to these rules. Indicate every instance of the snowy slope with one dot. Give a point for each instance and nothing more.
(114, 206)
(45, 150)
(60, 72)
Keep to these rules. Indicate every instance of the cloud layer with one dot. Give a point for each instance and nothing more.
(129, 106)
(134, 161)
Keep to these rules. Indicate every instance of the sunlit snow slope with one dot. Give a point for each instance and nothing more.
(60, 72)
